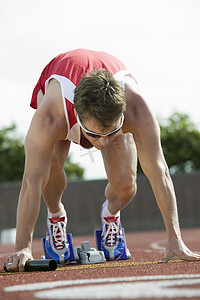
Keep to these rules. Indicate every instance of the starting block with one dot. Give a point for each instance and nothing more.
(80, 255)
(86, 255)
(98, 237)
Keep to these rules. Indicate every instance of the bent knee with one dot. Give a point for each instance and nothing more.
(127, 189)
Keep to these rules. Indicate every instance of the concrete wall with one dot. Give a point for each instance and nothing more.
(83, 200)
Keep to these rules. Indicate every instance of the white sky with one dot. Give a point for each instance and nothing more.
(158, 40)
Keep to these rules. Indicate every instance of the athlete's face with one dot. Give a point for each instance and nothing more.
(98, 138)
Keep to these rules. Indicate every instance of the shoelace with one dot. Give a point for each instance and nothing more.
(110, 229)
(58, 232)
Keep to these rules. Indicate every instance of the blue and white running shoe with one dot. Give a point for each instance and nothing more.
(113, 242)
(56, 244)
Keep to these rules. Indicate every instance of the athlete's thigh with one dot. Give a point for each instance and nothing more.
(120, 159)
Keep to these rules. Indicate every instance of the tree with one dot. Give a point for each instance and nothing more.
(12, 157)
(72, 170)
(180, 140)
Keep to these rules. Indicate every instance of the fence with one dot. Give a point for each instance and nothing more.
(83, 200)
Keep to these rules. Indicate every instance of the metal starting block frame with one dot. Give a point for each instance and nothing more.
(80, 255)
(98, 237)
(86, 255)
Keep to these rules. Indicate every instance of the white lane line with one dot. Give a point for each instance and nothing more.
(136, 290)
(61, 283)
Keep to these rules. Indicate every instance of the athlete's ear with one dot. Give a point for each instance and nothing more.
(75, 112)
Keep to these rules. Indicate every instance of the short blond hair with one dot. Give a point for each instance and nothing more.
(101, 97)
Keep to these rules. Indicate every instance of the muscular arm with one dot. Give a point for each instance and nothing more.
(146, 134)
(147, 138)
(38, 150)
(47, 127)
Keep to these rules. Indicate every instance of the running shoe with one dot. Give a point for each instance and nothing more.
(56, 245)
(113, 242)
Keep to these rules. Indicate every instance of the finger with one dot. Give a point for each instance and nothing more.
(188, 256)
(13, 266)
(196, 254)
(191, 257)
(9, 263)
(22, 263)
(167, 256)
(8, 266)
(164, 259)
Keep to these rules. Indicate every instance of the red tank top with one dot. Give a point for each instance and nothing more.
(68, 68)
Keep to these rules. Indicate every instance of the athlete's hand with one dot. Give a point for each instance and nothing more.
(176, 249)
(16, 261)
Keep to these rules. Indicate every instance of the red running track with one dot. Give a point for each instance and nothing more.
(140, 277)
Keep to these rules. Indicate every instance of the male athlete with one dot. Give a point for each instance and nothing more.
(88, 97)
